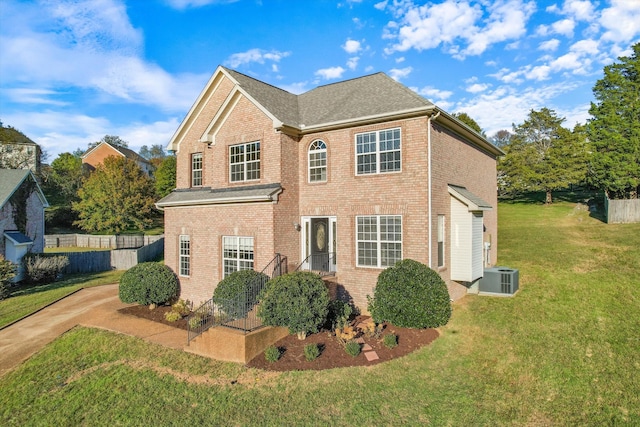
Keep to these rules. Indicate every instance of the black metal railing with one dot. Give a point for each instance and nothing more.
(323, 264)
(237, 313)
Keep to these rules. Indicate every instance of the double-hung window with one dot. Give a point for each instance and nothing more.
(378, 152)
(196, 169)
(379, 240)
(440, 240)
(185, 255)
(318, 161)
(244, 162)
(237, 254)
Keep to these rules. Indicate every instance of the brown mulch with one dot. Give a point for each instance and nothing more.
(332, 352)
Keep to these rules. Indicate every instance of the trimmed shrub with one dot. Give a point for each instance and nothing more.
(172, 316)
(148, 283)
(298, 301)
(410, 295)
(237, 293)
(41, 268)
(352, 348)
(7, 273)
(339, 314)
(390, 341)
(311, 352)
(272, 354)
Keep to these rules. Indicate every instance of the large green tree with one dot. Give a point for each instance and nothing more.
(118, 196)
(166, 176)
(63, 180)
(467, 120)
(614, 130)
(543, 156)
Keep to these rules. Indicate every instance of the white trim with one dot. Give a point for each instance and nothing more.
(245, 162)
(227, 200)
(229, 104)
(326, 161)
(305, 239)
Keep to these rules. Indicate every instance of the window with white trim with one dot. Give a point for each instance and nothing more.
(318, 161)
(196, 169)
(185, 255)
(378, 152)
(441, 224)
(237, 254)
(378, 240)
(244, 162)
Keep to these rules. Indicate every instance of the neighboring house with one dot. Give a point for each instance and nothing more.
(95, 156)
(349, 177)
(22, 205)
(18, 151)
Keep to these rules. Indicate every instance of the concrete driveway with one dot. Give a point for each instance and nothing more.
(94, 307)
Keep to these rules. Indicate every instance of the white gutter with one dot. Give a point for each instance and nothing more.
(429, 182)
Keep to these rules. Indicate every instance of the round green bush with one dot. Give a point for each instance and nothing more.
(410, 295)
(148, 283)
(237, 293)
(298, 301)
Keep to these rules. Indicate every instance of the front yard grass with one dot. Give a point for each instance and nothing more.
(564, 351)
(27, 299)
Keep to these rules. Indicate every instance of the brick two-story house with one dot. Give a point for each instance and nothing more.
(349, 177)
(96, 155)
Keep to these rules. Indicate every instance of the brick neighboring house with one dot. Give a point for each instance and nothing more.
(348, 177)
(95, 156)
(22, 205)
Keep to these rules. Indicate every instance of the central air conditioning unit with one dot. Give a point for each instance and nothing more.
(500, 281)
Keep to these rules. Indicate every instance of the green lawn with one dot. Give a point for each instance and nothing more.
(564, 351)
(25, 300)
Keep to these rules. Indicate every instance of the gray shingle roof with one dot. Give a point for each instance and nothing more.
(208, 196)
(18, 238)
(372, 95)
(10, 179)
(470, 198)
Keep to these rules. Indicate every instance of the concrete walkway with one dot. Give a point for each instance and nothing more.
(94, 307)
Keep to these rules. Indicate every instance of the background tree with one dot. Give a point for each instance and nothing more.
(155, 154)
(64, 178)
(467, 120)
(111, 139)
(501, 138)
(118, 196)
(165, 176)
(543, 156)
(614, 130)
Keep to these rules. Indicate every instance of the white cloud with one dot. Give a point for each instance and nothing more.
(255, 55)
(351, 46)
(352, 63)
(457, 25)
(621, 21)
(581, 10)
(330, 73)
(400, 73)
(477, 87)
(185, 4)
(564, 27)
(381, 5)
(296, 88)
(549, 45)
(433, 93)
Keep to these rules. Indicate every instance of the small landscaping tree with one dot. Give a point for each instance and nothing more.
(237, 293)
(411, 295)
(148, 283)
(7, 273)
(298, 301)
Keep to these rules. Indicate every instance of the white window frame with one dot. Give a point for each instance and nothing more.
(441, 247)
(242, 168)
(317, 159)
(376, 239)
(237, 245)
(196, 169)
(378, 152)
(184, 255)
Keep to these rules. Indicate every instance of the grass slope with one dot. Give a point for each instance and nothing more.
(563, 351)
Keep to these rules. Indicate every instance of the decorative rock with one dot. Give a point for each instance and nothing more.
(371, 356)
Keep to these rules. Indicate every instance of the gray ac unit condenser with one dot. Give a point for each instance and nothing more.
(499, 281)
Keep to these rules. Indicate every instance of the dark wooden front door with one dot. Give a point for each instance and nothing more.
(320, 244)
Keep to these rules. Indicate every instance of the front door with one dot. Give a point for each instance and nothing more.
(319, 244)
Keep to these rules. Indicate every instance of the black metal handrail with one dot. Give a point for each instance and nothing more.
(324, 264)
(237, 313)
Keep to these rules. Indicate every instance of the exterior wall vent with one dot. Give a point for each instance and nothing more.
(499, 281)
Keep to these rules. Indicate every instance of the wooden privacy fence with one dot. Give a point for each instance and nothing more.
(622, 210)
(98, 241)
(120, 259)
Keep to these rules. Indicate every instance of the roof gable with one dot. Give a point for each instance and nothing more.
(118, 150)
(12, 179)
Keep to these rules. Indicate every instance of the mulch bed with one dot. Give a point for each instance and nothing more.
(333, 354)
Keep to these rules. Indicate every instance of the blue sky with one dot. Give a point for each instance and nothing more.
(73, 71)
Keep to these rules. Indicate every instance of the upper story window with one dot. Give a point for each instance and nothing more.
(318, 161)
(244, 162)
(379, 240)
(378, 152)
(196, 169)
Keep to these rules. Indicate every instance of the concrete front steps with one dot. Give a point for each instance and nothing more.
(232, 345)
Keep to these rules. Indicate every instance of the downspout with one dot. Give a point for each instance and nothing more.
(429, 183)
